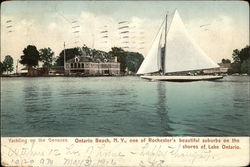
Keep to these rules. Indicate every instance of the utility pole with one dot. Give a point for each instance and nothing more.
(17, 66)
(64, 62)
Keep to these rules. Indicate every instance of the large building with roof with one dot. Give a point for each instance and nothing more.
(85, 65)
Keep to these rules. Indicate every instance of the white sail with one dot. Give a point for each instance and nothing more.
(152, 62)
(182, 53)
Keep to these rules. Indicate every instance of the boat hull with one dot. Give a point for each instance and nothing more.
(182, 78)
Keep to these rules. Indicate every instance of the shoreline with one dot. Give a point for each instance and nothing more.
(45, 76)
(86, 76)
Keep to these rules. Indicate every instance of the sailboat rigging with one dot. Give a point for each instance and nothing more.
(179, 53)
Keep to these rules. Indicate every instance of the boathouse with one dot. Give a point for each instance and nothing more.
(85, 65)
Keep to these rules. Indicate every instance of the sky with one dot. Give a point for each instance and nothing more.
(218, 27)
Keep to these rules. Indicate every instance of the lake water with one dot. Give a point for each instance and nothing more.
(124, 106)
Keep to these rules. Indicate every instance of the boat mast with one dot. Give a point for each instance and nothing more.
(165, 47)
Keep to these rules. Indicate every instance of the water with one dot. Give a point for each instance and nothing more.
(124, 106)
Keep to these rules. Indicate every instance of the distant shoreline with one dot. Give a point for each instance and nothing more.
(78, 76)
(10, 76)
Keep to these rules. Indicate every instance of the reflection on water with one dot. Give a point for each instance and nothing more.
(123, 106)
(37, 106)
(162, 108)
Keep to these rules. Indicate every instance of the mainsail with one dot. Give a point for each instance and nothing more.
(152, 62)
(181, 51)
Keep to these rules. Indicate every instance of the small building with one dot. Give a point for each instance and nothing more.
(56, 70)
(85, 65)
(34, 71)
(24, 71)
(212, 71)
(224, 67)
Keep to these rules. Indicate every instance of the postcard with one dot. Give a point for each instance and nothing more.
(125, 83)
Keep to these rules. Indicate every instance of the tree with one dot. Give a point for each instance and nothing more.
(236, 54)
(121, 57)
(133, 61)
(225, 61)
(245, 66)
(46, 56)
(241, 60)
(70, 54)
(8, 64)
(127, 60)
(2, 68)
(241, 55)
(30, 57)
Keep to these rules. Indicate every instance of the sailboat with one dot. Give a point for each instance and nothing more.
(177, 54)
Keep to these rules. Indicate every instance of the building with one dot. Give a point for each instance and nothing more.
(40, 71)
(56, 70)
(32, 71)
(85, 65)
(212, 71)
(224, 67)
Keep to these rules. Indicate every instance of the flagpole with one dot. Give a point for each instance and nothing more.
(17, 66)
(64, 57)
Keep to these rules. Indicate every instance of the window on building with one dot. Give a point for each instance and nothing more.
(106, 71)
(72, 65)
(79, 65)
(82, 65)
(75, 65)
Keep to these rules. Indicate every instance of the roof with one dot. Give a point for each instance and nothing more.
(87, 59)
(81, 59)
